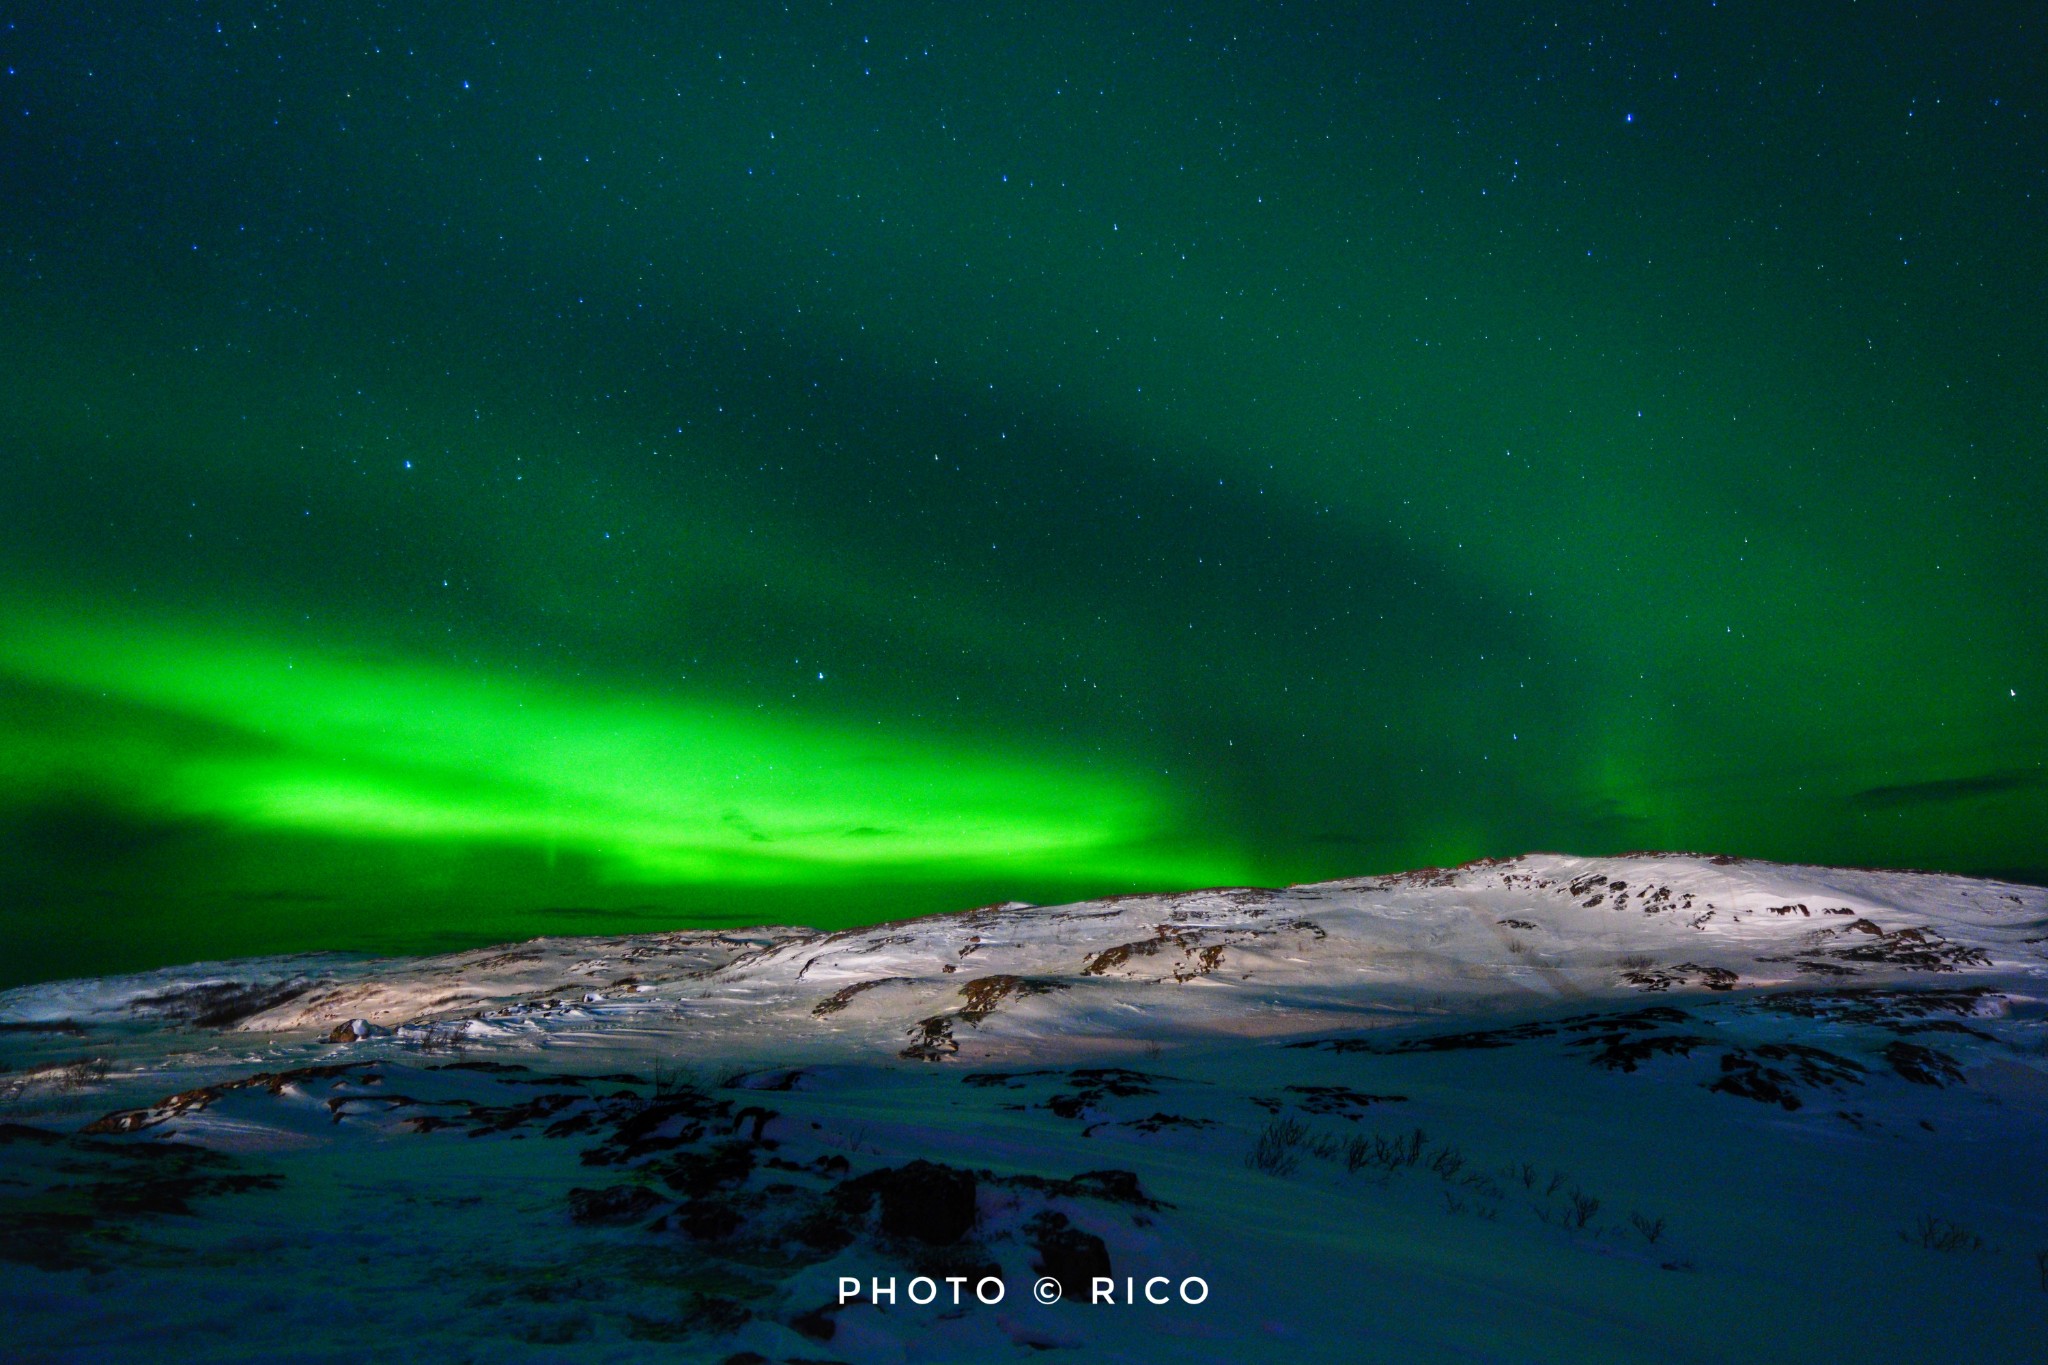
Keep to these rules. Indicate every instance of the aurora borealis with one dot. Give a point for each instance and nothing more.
(474, 471)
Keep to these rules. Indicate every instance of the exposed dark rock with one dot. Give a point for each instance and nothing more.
(47, 1239)
(134, 1120)
(1339, 1100)
(1623, 1052)
(984, 993)
(1874, 1005)
(1631, 1021)
(781, 1078)
(707, 1220)
(1814, 967)
(1683, 974)
(924, 1200)
(676, 1119)
(1753, 1082)
(825, 1229)
(1940, 1026)
(172, 1194)
(846, 995)
(218, 1004)
(696, 1174)
(69, 1028)
(818, 1324)
(93, 1194)
(1199, 958)
(931, 1040)
(1923, 1065)
(613, 1204)
(1919, 949)
(1008, 1080)
(1096, 1084)
(1156, 1122)
(504, 1118)
(1066, 1253)
(1813, 1065)
(1744, 1073)
(1453, 1042)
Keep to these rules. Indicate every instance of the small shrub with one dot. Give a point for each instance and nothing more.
(1274, 1150)
(1381, 1153)
(63, 1077)
(1325, 1146)
(1357, 1153)
(1934, 1233)
(85, 1071)
(677, 1078)
(1651, 1228)
(434, 1040)
(1584, 1206)
(1447, 1162)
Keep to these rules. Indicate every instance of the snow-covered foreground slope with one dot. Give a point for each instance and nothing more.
(1640, 1108)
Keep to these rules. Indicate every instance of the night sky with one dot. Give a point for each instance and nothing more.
(469, 472)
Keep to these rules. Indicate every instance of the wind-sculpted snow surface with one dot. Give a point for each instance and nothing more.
(1544, 1108)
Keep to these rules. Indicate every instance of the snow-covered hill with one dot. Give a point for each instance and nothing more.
(1648, 1107)
(993, 982)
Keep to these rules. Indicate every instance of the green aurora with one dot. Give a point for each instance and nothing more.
(484, 471)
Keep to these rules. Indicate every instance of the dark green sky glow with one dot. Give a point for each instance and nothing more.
(479, 471)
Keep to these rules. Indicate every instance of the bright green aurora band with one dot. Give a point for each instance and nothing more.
(565, 469)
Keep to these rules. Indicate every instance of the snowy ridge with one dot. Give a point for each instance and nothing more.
(1493, 936)
(1543, 1108)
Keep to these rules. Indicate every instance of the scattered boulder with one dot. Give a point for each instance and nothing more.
(1065, 1253)
(923, 1200)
